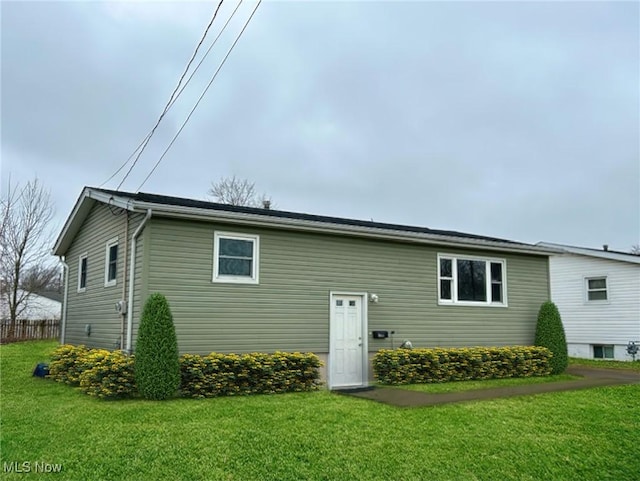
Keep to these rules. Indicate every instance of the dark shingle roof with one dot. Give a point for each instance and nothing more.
(201, 204)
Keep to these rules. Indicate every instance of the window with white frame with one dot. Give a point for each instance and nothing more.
(471, 280)
(602, 351)
(596, 288)
(235, 257)
(111, 263)
(82, 273)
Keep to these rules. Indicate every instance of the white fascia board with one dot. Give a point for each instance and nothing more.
(195, 213)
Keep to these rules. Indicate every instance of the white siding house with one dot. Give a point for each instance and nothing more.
(598, 295)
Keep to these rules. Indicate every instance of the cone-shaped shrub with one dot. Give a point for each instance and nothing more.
(157, 366)
(550, 334)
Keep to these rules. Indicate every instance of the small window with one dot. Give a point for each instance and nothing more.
(82, 273)
(111, 263)
(339, 302)
(602, 352)
(597, 289)
(352, 303)
(235, 258)
(470, 281)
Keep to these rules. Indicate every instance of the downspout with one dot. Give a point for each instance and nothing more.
(124, 277)
(132, 272)
(63, 323)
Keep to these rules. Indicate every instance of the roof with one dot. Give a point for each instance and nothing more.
(168, 206)
(598, 253)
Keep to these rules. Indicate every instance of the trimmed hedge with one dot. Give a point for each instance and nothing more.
(231, 374)
(418, 366)
(67, 364)
(111, 375)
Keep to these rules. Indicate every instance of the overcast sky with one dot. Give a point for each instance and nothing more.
(508, 119)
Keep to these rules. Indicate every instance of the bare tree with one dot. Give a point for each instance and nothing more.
(635, 250)
(25, 239)
(235, 191)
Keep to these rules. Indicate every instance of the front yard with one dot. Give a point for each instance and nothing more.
(587, 435)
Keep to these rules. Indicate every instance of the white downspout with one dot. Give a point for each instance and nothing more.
(132, 272)
(63, 322)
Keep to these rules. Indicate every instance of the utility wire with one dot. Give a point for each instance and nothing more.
(201, 96)
(172, 102)
(147, 139)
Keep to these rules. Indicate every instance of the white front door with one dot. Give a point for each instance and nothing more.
(348, 341)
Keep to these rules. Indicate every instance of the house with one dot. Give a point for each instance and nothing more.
(35, 307)
(598, 295)
(243, 279)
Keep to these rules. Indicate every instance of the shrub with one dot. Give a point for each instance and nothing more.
(67, 363)
(404, 366)
(110, 375)
(550, 334)
(232, 374)
(157, 367)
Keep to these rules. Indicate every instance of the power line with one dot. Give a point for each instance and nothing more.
(201, 96)
(147, 139)
(172, 102)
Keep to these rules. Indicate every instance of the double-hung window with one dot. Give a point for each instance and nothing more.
(235, 257)
(596, 288)
(82, 273)
(471, 281)
(111, 263)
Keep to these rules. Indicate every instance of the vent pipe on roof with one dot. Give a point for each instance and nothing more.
(605, 247)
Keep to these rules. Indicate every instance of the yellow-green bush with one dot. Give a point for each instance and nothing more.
(110, 375)
(231, 374)
(67, 363)
(418, 366)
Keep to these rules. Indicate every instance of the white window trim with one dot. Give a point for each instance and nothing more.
(80, 259)
(604, 357)
(254, 278)
(110, 243)
(454, 283)
(587, 290)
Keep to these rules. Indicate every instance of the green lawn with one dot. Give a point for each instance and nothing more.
(585, 435)
(632, 365)
(445, 387)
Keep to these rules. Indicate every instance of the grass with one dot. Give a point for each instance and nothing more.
(445, 387)
(629, 365)
(586, 435)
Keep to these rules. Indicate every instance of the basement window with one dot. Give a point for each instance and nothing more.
(602, 351)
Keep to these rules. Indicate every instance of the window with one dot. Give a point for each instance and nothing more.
(602, 352)
(111, 263)
(235, 258)
(471, 281)
(597, 289)
(82, 273)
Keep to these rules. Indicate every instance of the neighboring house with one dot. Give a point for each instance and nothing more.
(598, 295)
(36, 307)
(242, 279)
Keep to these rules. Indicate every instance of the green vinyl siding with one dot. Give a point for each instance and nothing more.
(289, 308)
(96, 305)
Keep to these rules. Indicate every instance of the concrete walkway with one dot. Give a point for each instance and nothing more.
(591, 377)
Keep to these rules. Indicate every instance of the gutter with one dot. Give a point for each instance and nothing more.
(63, 323)
(132, 272)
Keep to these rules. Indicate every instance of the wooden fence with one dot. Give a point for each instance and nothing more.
(27, 330)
